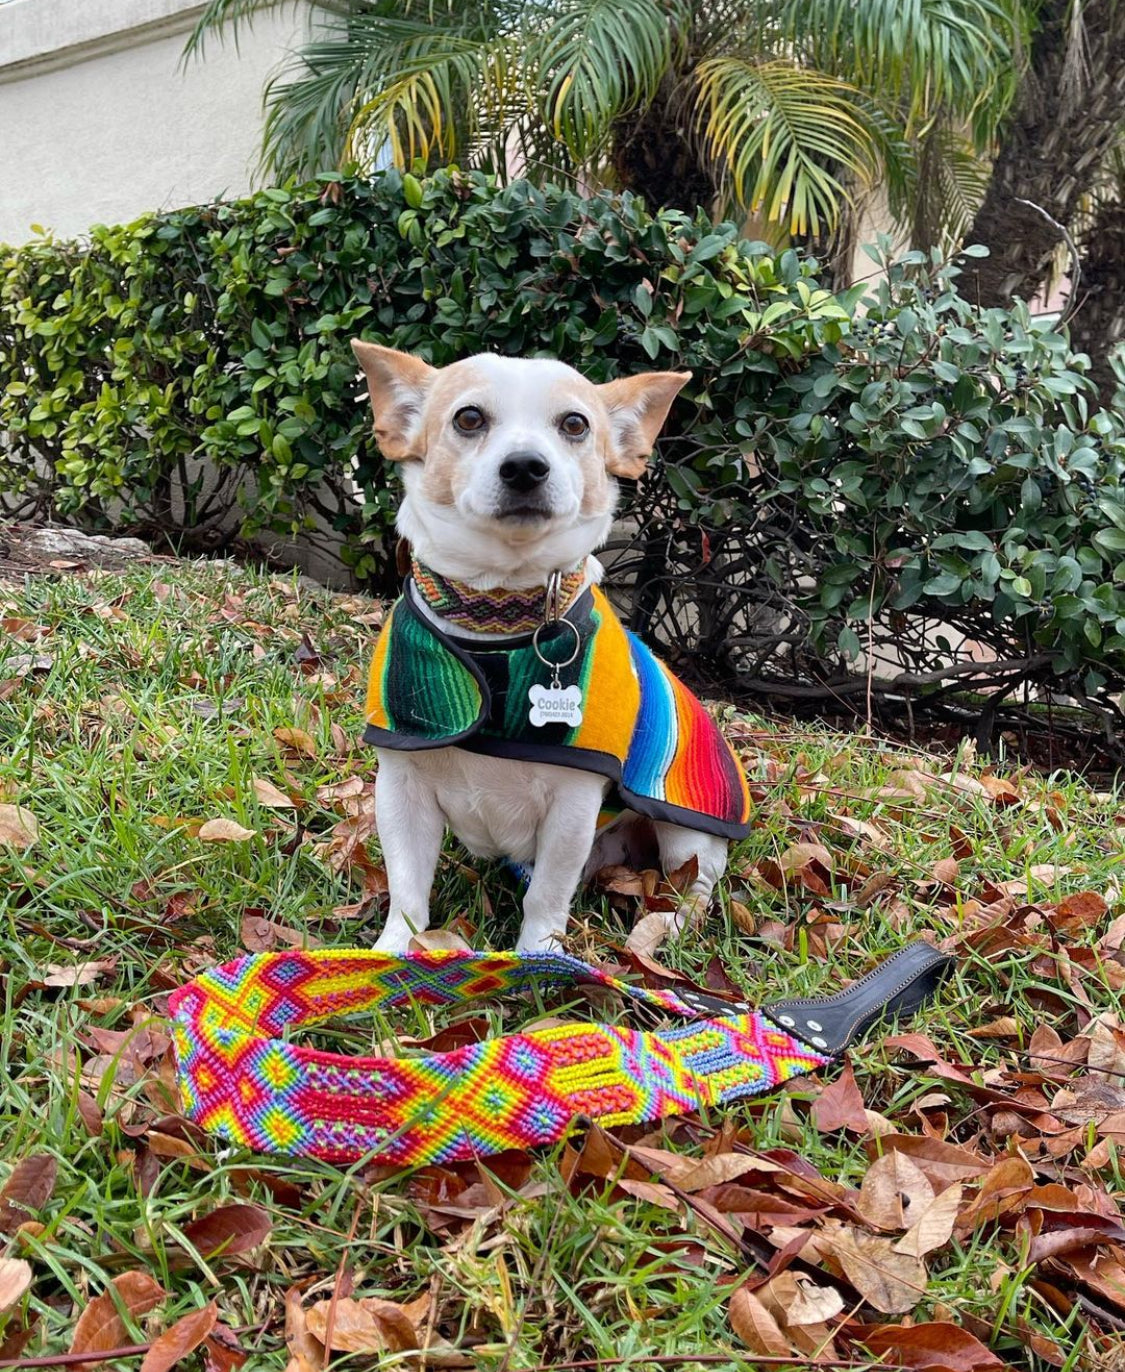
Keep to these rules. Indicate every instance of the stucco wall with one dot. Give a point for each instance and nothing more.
(99, 122)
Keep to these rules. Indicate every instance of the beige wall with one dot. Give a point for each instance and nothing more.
(98, 122)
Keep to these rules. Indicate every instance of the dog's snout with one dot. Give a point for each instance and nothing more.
(522, 472)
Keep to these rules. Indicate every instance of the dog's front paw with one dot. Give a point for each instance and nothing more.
(395, 937)
(541, 939)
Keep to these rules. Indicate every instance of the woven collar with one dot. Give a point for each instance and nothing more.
(497, 611)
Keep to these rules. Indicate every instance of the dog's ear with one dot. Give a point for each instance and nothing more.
(397, 384)
(638, 407)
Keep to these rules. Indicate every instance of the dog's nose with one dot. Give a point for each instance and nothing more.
(522, 472)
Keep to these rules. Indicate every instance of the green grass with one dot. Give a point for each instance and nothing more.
(157, 711)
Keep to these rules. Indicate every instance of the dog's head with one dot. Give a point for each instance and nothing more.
(517, 454)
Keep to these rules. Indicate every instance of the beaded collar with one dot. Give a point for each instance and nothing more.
(498, 611)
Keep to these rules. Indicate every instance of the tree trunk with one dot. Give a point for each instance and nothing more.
(657, 155)
(1066, 116)
(1100, 320)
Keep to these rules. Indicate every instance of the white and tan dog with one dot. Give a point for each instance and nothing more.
(508, 468)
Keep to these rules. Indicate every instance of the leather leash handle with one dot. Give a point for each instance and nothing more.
(898, 986)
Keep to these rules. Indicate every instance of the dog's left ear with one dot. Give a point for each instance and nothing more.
(397, 384)
(638, 407)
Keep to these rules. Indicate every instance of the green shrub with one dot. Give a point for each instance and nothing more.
(843, 471)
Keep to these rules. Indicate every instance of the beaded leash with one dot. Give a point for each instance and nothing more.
(242, 1079)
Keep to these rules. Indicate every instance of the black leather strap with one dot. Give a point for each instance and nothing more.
(897, 986)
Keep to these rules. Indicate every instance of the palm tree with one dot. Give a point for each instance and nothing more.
(779, 108)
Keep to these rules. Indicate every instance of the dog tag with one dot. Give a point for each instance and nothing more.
(555, 704)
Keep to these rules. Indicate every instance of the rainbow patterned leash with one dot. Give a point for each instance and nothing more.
(242, 1079)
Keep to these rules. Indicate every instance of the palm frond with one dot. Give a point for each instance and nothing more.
(951, 184)
(229, 17)
(595, 60)
(924, 54)
(781, 130)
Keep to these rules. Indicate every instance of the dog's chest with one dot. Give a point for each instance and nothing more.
(497, 806)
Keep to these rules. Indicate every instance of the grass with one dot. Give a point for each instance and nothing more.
(154, 705)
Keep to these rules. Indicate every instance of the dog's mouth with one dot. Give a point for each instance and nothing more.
(524, 512)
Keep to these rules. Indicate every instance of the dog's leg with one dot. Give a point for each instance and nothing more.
(562, 845)
(679, 845)
(411, 828)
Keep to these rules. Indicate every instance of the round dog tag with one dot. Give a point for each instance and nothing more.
(555, 704)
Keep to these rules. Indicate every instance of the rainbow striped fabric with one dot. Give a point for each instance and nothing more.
(242, 1078)
(641, 727)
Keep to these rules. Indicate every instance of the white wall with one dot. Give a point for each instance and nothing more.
(99, 122)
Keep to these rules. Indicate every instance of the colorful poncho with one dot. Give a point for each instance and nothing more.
(641, 727)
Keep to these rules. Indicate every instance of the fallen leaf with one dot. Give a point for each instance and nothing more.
(261, 935)
(230, 1230)
(27, 1190)
(18, 827)
(840, 1105)
(100, 1327)
(936, 1344)
(1084, 908)
(1006, 1188)
(433, 940)
(78, 973)
(267, 794)
(15, 1279)
(943, 1163)
(934, 1226)
(184, 1336)
(756, 1327)
(812, 1304)
(297, 741)
(891, 1282)
(947, 870)
(223, 831)
(305, 1353)
(647, 934)
(363, 1326)
(894, 1193)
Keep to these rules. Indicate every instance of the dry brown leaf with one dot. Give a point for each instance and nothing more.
(1006, 1188)
(100, 1327)
(15, 1279)
(891, 1282)
(223, 831)
(647, 934)
(306, 1354)
(267, 794)
(947, 871)
(811, 1304)
(934, 1226)
(894, 1193)
(756, 1327)
(943, 1163)
(183, 1337)
(1006, 1027)
(29, 1187)
(936, 1345)
(432, 940)
(297, 741)
(363, 1326)
(18, 827)
(78, 973)
(840, 1105)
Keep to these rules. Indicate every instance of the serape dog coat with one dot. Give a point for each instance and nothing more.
(242, 1078)
(641, 727)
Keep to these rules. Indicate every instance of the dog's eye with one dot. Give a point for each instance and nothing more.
(575, 426)
(470, 420)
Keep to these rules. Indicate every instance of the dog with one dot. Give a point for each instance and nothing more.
(509, 469)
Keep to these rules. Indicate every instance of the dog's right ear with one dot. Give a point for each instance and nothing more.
(397, 384)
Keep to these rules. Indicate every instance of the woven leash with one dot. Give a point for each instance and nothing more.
(242, 1079)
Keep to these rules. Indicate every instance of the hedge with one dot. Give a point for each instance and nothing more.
(883, 466)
